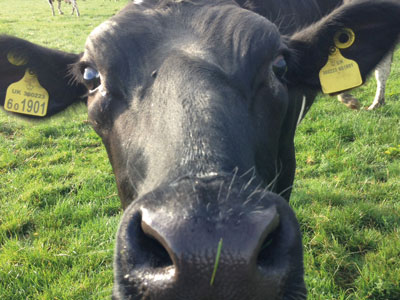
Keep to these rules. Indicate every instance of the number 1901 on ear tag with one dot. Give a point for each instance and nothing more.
(340, 73)
(27, 96)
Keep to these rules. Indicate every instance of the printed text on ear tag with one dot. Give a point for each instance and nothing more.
(27, 96)
(340, 73)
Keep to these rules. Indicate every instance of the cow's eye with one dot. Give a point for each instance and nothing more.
(279, 67)
(91, 77)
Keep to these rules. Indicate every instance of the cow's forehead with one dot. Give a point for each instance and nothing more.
(107, 26)
(139, 39)
(206, 22)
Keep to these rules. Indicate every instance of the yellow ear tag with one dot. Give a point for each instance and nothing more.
(340, 73)
(27, 96)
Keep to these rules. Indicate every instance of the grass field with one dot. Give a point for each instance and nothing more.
(59, 210)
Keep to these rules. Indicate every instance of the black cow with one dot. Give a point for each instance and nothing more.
(197, 104)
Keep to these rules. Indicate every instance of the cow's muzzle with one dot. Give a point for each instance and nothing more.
(208, 239)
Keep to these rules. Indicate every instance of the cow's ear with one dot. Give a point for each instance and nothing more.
(376, 27)
(21, 63)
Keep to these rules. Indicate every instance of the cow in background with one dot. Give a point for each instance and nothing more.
(72, 2)
(382, 73)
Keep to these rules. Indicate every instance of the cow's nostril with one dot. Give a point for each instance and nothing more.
(266, 253)
(157, 255)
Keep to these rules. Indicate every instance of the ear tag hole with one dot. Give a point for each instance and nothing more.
(16, 59)
(339, 73)
(27, 96)
(344, 38)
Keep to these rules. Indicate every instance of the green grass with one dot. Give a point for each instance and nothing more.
(347, 196)
(59, 210)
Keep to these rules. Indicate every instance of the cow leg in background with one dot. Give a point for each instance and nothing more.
(349, 100)
(52, 7)
(59, 7)
(75, 8)
(382, 73)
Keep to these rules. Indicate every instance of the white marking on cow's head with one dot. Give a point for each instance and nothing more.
(303, 106)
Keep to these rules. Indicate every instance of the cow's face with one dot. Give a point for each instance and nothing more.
(197, 105)
(190, 90)
(191, 102)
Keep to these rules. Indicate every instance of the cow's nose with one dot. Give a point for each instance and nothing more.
(211, 254)
(184, 246)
